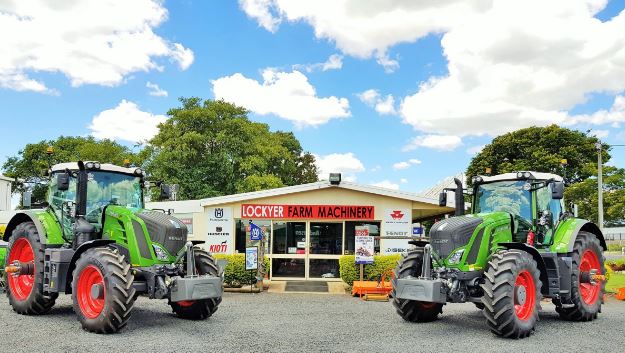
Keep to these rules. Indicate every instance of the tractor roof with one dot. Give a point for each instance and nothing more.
(103, 167)
(513, 176)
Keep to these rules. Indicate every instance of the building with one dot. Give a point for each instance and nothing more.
(306, 228)
(5, 193)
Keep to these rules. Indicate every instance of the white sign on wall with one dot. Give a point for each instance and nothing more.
(397, 223)
(219, 237)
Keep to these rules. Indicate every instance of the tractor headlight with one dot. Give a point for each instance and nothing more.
(477, 180)
(455, 257)
(89, 165)
(139, 171)
(523, 175)
(161, 254)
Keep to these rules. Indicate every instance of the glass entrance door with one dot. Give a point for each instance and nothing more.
(288, 259)
(325, 248)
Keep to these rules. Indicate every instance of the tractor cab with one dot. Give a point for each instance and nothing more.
(106, 184)
(533, 200)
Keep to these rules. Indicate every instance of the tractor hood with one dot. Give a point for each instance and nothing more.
(455, 232)
(165, 230)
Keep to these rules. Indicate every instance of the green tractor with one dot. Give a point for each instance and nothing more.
(95, 241)
(519, 245)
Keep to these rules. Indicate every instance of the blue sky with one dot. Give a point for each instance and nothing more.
(458, 75)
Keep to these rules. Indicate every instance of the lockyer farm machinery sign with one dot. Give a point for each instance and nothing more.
(307, 212)
(219, 230)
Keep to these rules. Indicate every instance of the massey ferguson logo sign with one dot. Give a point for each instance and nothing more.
(397, 215)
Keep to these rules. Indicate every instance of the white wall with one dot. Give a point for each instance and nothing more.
(5, 194)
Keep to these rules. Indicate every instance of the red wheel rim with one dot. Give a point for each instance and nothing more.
(588, 291)
(90, 305)
(524, 295)
(21, 286)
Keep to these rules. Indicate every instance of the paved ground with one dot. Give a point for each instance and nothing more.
(303, 323)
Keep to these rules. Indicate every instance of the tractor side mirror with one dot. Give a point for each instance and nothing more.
(26, 199)
(557, 190)
(165, 192)
(442, 199)
(62, 181)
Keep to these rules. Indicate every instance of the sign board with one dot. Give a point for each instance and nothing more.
(219, 230)
(364, 246)
(251, 258)
(396, 223)
(255, 232)
(186, 219)
(307, 212)
(417, 231)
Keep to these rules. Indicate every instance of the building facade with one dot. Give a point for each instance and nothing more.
(306, 228)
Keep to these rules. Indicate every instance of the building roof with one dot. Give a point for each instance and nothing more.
(447, 183)
(2, 177)
(103, 167)
(317, 186)
(187, 206)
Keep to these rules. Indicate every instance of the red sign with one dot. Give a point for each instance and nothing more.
(397, 215)
(307, 212)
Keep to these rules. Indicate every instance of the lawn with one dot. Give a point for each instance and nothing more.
(617, 280)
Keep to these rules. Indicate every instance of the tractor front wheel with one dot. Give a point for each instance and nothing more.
(199, 309)
(25, 291)
(586, 292)
(512, 294)
(102, 290)
(413, 310)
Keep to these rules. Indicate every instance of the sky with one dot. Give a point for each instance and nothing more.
(398, 94)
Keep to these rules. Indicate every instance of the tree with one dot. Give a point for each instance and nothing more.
(211, 148)
(541, 149)
(28, 167)
(584, 194)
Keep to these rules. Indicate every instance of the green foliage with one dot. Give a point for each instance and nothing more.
(584, 194)
(615, 282)
(211, 148)
(540, 149)
(30, 164)
(235, 274)
(615, 247)
(350, 272)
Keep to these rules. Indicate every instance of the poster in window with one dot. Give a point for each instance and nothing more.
(364, 246)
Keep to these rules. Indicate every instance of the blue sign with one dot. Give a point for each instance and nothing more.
(251, 258)
(255, 232)
(417, 230)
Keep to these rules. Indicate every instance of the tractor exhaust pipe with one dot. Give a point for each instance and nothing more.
(459, 194)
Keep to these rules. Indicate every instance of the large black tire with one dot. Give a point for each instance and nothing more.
(413, 310)
(37, 302)
(581, 309)
(199, 309)
(117, 292)
(512, 294)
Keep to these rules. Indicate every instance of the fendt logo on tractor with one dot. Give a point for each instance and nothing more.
(518, 245)
(101, 246)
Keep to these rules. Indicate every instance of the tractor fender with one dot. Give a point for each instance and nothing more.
(590, 228)
(567, 231)
(81, 249)
(21, 217)
(542, 267)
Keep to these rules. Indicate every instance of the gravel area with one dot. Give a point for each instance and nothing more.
(303, 323)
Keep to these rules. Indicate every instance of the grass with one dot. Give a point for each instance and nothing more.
(617, 280)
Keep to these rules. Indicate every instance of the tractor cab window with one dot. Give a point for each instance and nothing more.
(58, 201)
(107, 188)
(549, 209)
(508, 196)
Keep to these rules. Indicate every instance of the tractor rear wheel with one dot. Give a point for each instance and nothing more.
(413, 310)
(25, 291)
(586, 294)
(199, 309)
(102, 290)
(512, 294)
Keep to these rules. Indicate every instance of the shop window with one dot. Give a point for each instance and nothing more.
(326, 238)
(242, 235)
(289, 238)
(350, 233)
(324, 268)
(288, 268)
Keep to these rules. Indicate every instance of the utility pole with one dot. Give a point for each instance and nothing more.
(599, 185)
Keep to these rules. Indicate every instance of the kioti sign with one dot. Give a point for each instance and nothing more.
(307, 212)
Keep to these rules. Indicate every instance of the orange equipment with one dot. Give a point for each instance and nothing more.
(374, 290)
(620, 295)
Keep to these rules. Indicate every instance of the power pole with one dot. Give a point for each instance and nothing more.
(599, 186)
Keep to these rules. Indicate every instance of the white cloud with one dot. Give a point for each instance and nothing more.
(543, 58)
(379, 167)
(387, 184)
(436, 142)
(372, 98)
(288, 95)
(600, 134)
(406, 164)
(345, 163)
(261, 10)
(88, 41)
(125, 122)
(155, 90)
(475, 149)
(403, 180)
(334, 62)
(401, 165)
(615, 115)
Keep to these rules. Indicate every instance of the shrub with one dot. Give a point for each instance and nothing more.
(350, 272)
(616, 265)
(615, 247)
(235, 274)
